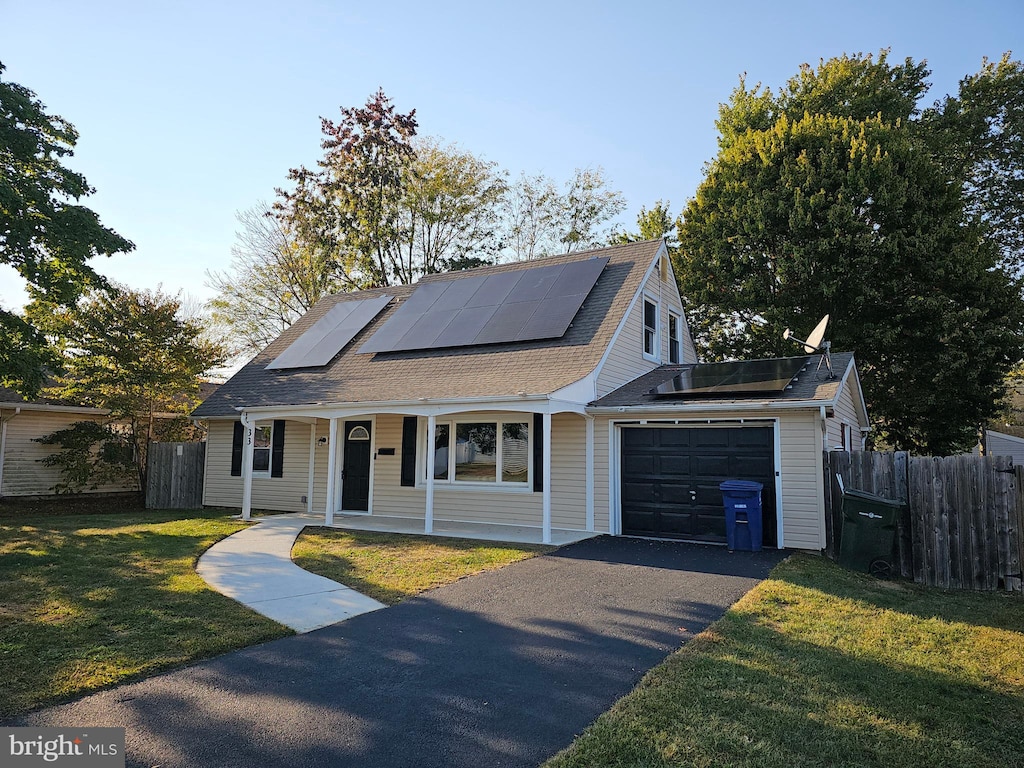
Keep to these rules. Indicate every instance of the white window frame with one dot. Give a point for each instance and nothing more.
(675, 344)
(654, 355)
(450, 481)
(269, 449)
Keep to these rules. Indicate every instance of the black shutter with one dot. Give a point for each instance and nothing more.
(236, 450)
(409, 451)
(538, 452)
(277, 450)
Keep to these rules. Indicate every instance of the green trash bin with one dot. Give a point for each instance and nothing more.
(868, 540)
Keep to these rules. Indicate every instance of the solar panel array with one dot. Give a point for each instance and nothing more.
(328, 335)
(746, 377)
(517, 305)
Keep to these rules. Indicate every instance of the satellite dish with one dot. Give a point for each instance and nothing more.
(815, 343)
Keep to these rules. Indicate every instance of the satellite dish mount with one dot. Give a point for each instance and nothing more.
(816, 343)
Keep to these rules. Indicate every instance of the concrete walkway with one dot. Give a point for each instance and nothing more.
(254, 567)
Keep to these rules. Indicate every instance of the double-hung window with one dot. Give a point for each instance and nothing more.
(673, 338)
(651, 335)
(262, 440)
(487, 452)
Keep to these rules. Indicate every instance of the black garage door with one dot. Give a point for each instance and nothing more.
(670, 477)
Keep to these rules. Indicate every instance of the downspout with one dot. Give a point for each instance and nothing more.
(3, 444)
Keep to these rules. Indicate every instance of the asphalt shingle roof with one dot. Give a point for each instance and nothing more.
(812, 383)
(532, 367)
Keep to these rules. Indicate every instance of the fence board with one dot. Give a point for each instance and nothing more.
(962, 525)
(175, 475)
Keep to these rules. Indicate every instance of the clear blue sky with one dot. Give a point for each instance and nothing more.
(189, 111)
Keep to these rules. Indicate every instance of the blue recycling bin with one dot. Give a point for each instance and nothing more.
(742, 499)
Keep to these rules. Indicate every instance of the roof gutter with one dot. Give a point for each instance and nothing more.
(676, 407)
(55, 408)
(419, 406)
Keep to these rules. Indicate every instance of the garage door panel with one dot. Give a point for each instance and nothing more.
(637, 438)
(639, 464)
(675, 493)
(717, 466)
(710, 438)
(673, 465)
(670, 476)
(751, 467)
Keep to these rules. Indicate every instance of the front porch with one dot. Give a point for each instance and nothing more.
(517, 534)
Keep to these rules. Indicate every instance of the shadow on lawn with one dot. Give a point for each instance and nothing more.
(90, 602)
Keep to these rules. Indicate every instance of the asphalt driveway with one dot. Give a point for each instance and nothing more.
(501, 669)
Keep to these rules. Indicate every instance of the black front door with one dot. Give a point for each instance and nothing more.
(355, 477)
(670, 478)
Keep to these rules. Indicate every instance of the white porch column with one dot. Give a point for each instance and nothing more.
(3, 443)
(312, 467)
(547, 479)
(590, 473)
(428, 517)
(332, 471)
(247, 449)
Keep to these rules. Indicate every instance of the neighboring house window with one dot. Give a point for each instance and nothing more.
(262, 441)
(650, 329)
(673, 338)
(482, 452)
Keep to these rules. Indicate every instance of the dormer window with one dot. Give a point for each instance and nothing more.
(650, 329)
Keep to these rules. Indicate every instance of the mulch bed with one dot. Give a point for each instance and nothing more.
(70, 504)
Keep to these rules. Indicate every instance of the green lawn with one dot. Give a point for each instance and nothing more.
(390, 567)
(821, 667)
(91, 600)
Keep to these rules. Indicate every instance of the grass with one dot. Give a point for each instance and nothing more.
(390, 567)
(821, 667)
(91, 600)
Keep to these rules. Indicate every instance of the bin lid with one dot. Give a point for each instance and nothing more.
(740, 485)
(853, 493)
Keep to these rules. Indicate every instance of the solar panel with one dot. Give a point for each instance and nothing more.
(745, 377)
(328, 335)
(517, 305)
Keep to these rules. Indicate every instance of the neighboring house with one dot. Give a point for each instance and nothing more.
(22, 422)
(1002, 444)
(484, 396)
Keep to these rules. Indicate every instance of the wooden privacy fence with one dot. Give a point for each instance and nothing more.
(175, 475)
(962, 518)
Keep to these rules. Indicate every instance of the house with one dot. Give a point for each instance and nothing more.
(1002, 444)
(521, 395)
(23, 422)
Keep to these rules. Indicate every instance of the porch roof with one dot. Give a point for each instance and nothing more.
(500, 370)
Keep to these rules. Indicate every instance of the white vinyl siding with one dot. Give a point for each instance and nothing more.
(625, 360)
(280, 494)
(845, 412)
(998, 444)
(24, 473)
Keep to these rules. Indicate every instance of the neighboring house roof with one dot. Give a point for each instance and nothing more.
(508, 369)
(11, 399)
(812, 384)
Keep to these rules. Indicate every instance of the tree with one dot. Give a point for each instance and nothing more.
(450, 211)
(273, 280)
(130, 352)
(978, 135)
(351, 206)
(44, 234)
(847, 211)
(654, 224)
(540, 221)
